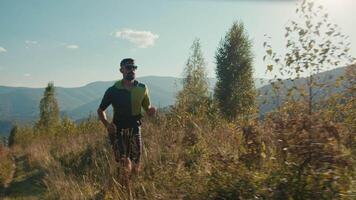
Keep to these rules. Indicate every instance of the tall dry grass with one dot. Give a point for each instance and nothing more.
(6, 166)
(288, 155)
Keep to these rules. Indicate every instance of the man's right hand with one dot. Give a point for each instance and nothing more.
(151, 111)
(111, 128)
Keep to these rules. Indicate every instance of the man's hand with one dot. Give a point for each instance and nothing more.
(111, 128)
(151, 111)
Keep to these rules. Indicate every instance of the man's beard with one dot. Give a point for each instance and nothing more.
(130, 77)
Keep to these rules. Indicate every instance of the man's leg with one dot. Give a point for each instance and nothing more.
(120, 148)
(125, 172)
(136, 150)
(126, 164)
(115, 145)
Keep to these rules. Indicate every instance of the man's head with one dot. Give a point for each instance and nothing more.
(128, 68)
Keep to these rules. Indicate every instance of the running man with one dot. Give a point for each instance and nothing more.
(127, 97)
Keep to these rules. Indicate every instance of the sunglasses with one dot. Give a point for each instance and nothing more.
(130, 67)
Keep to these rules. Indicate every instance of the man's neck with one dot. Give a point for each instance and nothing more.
(128, 84)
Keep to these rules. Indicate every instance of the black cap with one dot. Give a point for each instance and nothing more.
(127, 62)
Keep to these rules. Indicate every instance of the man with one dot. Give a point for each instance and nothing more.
(127, 96)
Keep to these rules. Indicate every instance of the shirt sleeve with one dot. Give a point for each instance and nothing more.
(106, 101)
(146, 100)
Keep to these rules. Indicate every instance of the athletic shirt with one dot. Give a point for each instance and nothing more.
(127, 103)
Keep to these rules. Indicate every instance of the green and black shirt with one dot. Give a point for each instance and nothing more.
(127, 103)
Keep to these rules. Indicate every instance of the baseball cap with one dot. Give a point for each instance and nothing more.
(128, 62)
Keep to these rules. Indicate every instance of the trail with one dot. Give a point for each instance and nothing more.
(26, 182)
(6, 185)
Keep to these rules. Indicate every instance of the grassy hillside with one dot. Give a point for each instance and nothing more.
(288, 155)
(196, 162)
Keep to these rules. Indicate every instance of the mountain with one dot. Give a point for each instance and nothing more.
(21, 104)
(328, 78)
(5, 128)
(162, 91)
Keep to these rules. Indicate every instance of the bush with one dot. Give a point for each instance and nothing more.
(6, 165)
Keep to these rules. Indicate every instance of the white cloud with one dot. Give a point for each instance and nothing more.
(142, 39)
(27, 75)
(72, 46)
(31, 42)
(2, 50)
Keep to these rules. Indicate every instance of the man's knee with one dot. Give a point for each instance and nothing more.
(136, 169)
(126, 164)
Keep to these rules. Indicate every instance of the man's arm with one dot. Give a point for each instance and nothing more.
(105, 102)
(102, 117)
(108, 125)
(146, 104)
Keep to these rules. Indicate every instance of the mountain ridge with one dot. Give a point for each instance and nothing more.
(78, 102)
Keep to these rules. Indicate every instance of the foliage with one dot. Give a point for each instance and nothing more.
(291, 154)
(349, 98)
(6, 166)
(194, 97)
(285, 156)
(313, 45)
(312, 161)
(12, 135)
(235, 90)
(49, 110)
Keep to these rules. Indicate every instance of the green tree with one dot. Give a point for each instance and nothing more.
(49, 110)
(195, 92)
(313, 45)
(235, 90)
(67, 125)
(349, 97)
(12, 135)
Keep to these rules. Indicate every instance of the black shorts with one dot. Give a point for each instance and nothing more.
(127, 143)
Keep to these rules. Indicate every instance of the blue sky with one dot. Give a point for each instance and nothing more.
(75, 42)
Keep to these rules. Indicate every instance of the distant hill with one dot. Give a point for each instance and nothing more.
(5, 128)
(20, 104)
(328, 78)
(162, 92)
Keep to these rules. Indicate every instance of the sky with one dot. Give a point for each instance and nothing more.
(76, 42)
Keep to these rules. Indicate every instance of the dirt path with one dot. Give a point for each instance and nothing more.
(7, 182)
(26, 182)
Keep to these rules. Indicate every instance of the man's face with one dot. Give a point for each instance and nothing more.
(128, 72)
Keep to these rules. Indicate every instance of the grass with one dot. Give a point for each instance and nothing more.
(287, 156)
(6, 168)
(27, 181)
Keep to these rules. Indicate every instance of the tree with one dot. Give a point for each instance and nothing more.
(12, 135)
(195, 91)
(349, 97)
(235, 90)
(313, 45)
(49, 110)
(315, 162)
